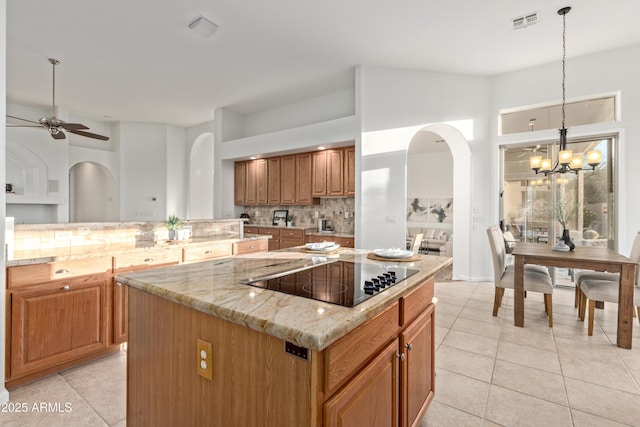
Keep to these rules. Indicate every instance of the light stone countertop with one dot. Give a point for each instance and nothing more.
(28, 257)
(213, 287)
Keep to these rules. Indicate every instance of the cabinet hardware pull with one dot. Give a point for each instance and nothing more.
(207, 252)
(148, 259)
(118, 284)
(66, 288)
(409, 346)
(401, 356)
(62, 270)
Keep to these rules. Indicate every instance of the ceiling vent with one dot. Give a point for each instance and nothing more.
(525, 21)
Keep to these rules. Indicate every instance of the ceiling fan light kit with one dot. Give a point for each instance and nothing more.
(54, 125)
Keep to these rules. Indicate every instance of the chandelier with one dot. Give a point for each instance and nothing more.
(567, 161)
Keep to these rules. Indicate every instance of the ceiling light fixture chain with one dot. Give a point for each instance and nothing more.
(566, 162)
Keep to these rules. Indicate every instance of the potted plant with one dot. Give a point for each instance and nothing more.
(289, 220)
(173, 224)
(563, 214)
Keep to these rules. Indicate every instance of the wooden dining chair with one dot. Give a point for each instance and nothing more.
(536, 279)
(602, 289)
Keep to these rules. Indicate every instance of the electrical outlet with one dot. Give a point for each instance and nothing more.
(203, 358)
(346, 215)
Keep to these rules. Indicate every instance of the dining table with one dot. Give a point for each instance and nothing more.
(582, 257)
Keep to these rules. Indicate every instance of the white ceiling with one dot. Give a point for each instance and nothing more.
(136, 60)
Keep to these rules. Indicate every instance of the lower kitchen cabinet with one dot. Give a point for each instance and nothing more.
(57, 322)
(274, 241)
(291, 237)
(120, 322)
(371, 397)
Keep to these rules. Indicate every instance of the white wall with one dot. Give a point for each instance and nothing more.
(176, 178)
(142, 156)
(605, 72)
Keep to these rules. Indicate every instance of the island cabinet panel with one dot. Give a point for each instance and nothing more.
(341, 361)
(371, 397)
(418, 375)
(240, 182)
(56, 323)
(254, 382)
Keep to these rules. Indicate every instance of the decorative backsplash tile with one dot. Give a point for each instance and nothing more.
(331, 208)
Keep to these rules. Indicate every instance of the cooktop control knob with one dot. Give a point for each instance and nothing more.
(383, 281)
(368, 287)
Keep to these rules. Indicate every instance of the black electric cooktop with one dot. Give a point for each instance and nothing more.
(337, 282)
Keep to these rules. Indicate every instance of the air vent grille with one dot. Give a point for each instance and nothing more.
(525, 20)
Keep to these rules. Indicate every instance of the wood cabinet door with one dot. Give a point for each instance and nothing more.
(239, 183)
(288, 180)
(335, 172)
(417, 369)
(303, 179)
(250, 192)
(57, 322)
(345, 242)
(371, 397)
(120, 313)
(319, 181)
(261, 181)
(273, 181)
(350, 171)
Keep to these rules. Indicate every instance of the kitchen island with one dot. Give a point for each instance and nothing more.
(205, 349)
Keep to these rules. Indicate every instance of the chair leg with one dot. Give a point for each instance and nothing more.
(583, 305)
(592, 309)
(497, 300)
(548, 303)
(576, 297)
(638, 308)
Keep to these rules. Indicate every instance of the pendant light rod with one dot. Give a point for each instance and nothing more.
(566, 162)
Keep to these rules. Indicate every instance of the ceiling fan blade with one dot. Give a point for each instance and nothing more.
(89, 134)
(72, 126)
(24, 120)
(11, 125)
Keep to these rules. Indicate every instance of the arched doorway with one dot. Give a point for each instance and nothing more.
(201, 177)
(91, 194)
(461, 189)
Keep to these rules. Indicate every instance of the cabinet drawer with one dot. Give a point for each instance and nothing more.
(210, 251)
(291, 234)
(415, 303)
(273, 232)
(314, 238)
(25, 275)
(251, 230)
(345, 242)
(250, 246)
(341, 361)
(150, 257)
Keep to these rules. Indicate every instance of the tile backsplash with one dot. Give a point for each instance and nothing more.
(331, 208)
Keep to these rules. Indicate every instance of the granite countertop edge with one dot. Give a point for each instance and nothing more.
(213, 287)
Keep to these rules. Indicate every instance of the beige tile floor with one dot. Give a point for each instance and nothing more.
(489, 373)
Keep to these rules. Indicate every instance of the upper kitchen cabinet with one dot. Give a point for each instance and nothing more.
(250, 189)
(273, 181)
(261, 181)
(296, 176)
(334, 172)
(240, 182)
(349, 171)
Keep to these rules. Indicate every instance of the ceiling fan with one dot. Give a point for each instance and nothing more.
(54, 125)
